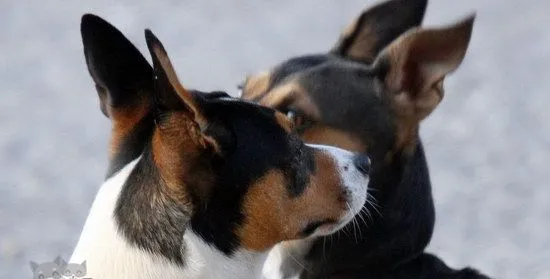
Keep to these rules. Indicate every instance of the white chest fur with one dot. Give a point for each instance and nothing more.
(108, 254)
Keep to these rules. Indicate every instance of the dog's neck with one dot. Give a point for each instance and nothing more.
(403, 191)
(112, 250)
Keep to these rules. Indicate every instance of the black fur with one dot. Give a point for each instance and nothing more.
(147, 217)
(257, 148)
(346, 95)
(382, 21)
(114, 63)
(349, 95)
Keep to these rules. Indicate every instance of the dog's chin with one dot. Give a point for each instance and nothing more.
(355, 208)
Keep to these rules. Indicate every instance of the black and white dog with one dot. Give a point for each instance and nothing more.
(201, 185)
(369, 94)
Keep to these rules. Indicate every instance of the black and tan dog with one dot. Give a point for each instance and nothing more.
(201, 185)
(369, 94)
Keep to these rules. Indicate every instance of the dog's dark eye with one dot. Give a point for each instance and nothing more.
(301, 122)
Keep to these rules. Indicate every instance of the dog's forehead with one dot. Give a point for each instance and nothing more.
(329, 83)
(298, 64)
(342, 95)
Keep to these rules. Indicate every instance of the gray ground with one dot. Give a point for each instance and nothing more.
(487, 144)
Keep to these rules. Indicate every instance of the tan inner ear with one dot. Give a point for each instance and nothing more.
(418, 63)
(363, 46)
(421, 58)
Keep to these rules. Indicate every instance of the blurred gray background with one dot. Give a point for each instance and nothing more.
(488, 144)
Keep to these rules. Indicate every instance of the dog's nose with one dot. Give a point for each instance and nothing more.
(362, 162)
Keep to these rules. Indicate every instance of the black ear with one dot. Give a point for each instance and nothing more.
(124, 83)
(377, 27)
(122, 76)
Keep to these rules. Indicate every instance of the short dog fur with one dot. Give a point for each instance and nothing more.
(369, 94)
(200, 185)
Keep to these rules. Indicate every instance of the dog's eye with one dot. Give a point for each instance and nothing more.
(301, 122)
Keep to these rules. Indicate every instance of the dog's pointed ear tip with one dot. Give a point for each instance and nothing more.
(91, 24)
(151, 40)
(468, 21)
(89, 20)
(148, 34)
(89, 17)
(465, 26)
(420, 4)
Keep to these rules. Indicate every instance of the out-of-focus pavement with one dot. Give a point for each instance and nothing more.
(488, 144)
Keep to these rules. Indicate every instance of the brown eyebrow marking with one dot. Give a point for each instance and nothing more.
(291, 93)
(256, 85)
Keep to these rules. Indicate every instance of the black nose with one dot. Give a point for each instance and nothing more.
(362, 162)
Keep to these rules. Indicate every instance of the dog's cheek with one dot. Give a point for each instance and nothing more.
(264, 213)
(324, 197)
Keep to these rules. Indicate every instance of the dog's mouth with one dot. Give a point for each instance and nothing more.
(323, 227)
(329, 226)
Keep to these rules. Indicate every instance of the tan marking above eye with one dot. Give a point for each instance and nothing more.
(272, 216)
(281, 95)
(256, 85)
(291, 94)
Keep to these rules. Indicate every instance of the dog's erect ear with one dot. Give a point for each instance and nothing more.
(168, 90)
(34, 266)
(122, 76)
(179, 140)
(124, 83)
(413, 67)
(378, 26)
